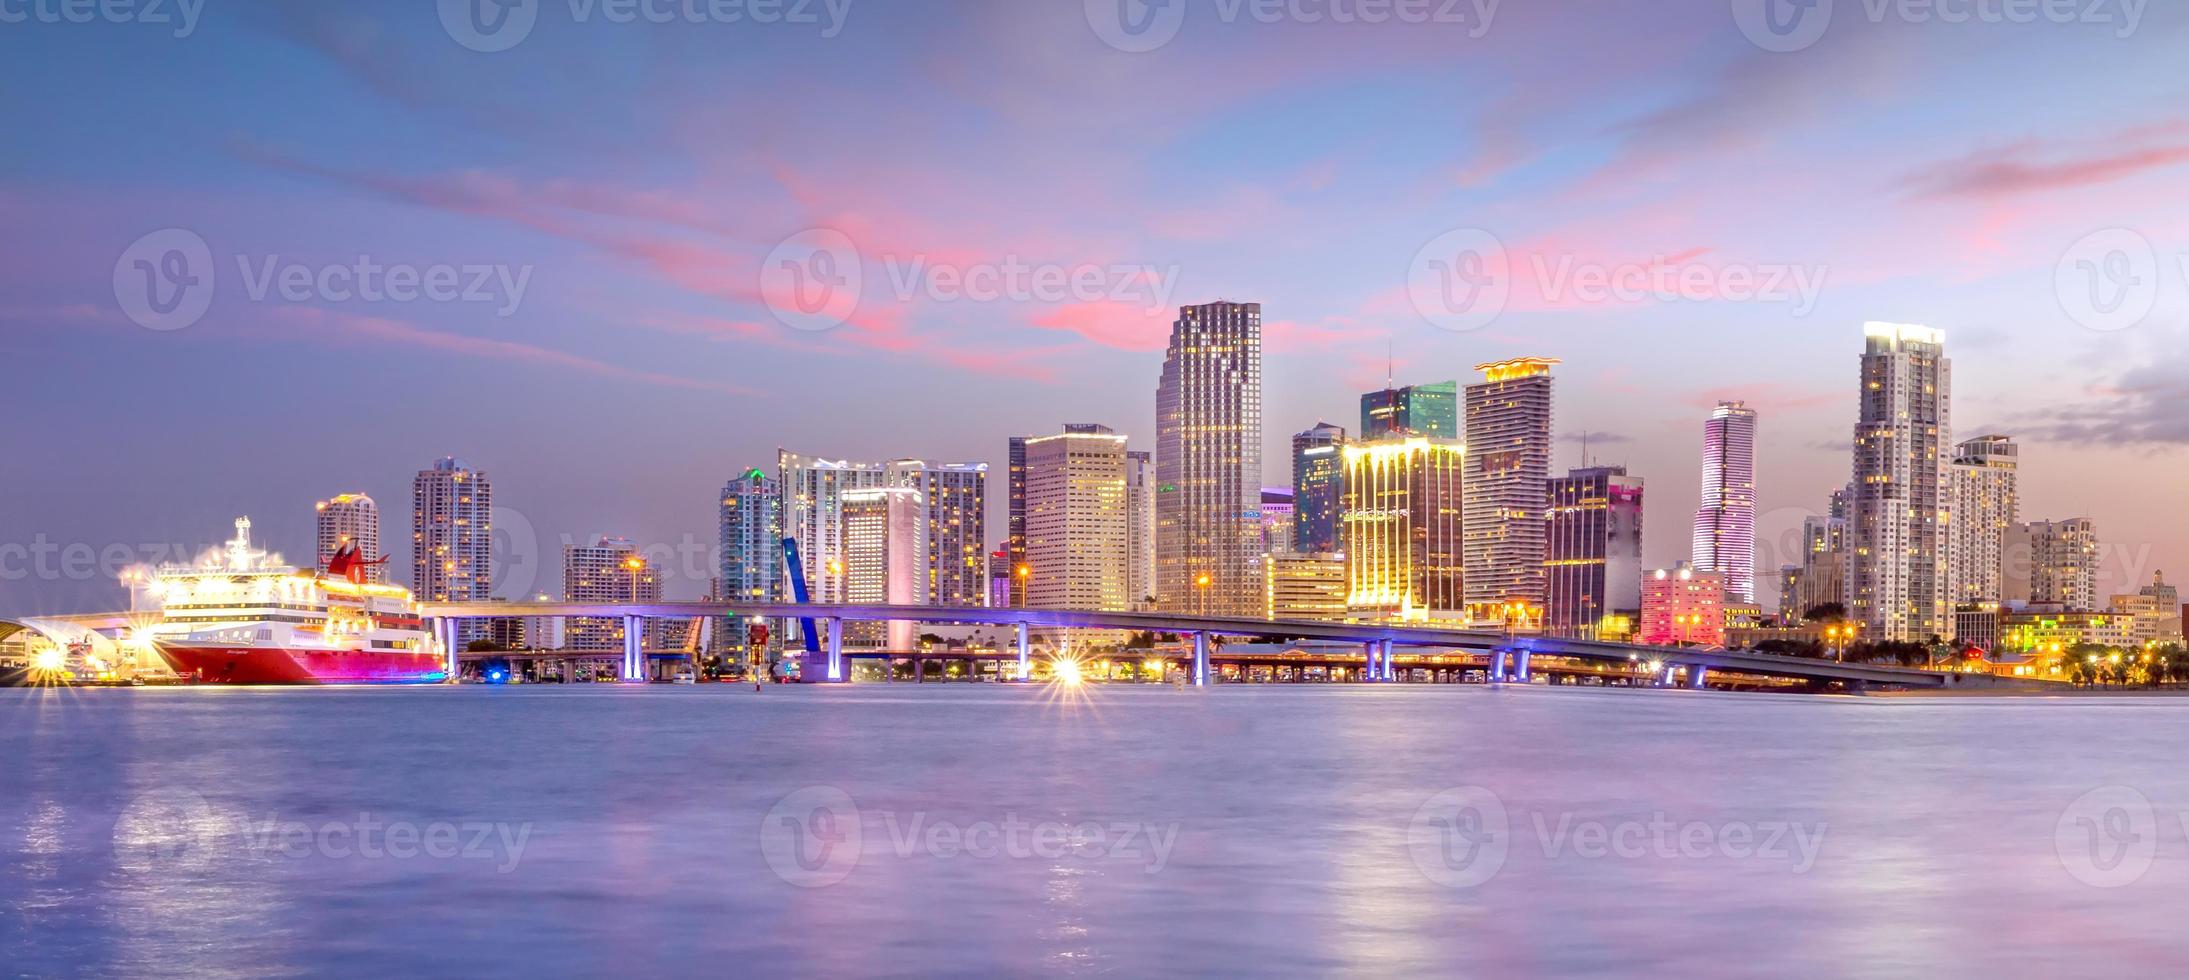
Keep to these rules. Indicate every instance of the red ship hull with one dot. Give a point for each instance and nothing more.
(274, 665)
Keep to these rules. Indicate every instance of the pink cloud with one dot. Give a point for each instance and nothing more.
(338, 328)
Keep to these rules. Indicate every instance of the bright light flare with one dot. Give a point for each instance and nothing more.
(50, 660)
(1067, 671)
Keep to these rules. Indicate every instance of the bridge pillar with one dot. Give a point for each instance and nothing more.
(1664, 676)
(1200, 658)
(1497, 664)
(836, 650)
(1390, 671)
(1521, 673)
(1369, 650)
(634, 650)
(444, 631)
(1697, 675)
(1025, 651)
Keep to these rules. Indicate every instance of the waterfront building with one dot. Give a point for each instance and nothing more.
(957, 526)
(813, 491)
(1014, 542)
(611, 570)
(1790, 589)
(885, 559)
(999, 578)
(1896, 577)
(1982, 507)
(452, 538)
(1209, 462)
(1277, 520)
(1682, 606)
(2157, 609)
(749, 562)
(1508, 450)
(1318, 483)
(1976, 624)
(1823, 561)
(1402, 518)
(1430, 410)
(2050, 633)
(1725, 525)
(1140, 529)
(1078, 522)
(2059, 560)
(1592, 562)
(351, 519)
(1305, 585)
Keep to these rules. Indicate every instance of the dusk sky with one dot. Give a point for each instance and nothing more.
(634, 178)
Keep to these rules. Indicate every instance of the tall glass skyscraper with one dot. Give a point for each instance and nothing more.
(1403, 521)
(1208, 459)
(1318, 480)
(1430, 410)
(1593, 560)
(1508, 484)
(751, 560)
(1725, 524)
(1896, 566)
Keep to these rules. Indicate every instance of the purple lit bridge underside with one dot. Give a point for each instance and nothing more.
(1509, 655)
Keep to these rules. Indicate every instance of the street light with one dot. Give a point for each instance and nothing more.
(1025, 571)
(1201, 592)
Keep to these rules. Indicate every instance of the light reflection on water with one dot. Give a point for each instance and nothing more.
(134, 831)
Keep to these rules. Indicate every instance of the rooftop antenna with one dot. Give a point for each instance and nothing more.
(1390, 364)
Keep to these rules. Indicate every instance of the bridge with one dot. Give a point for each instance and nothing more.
(1509, 656)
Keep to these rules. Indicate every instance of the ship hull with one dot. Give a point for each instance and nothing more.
(228, 664)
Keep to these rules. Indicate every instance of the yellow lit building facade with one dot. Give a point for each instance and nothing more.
(1401, 528)
(1309, 586)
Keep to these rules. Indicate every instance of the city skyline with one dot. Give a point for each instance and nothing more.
(643, 272)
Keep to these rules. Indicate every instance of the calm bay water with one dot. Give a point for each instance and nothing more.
(979, 829)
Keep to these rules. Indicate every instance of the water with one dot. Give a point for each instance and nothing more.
(605, 830)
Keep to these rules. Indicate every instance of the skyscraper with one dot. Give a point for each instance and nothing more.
(1593, 557)
(1078, 522)
(885, 559)
(1277, 520)
(750, 564)
(1896, 564)
(1725, 524)
(1982, 505)
(611, 570)
(1430, 410)
(1140, 530)
(1823, 563)
(351, 519)
(813, 513)
(1208, 411)
(2063, 563)
(1318, 480)
(957, 526)
(1402, 523)
(1014, 542)
(452, 537)
(1508, 483)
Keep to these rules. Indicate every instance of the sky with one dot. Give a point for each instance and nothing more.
(615, 252)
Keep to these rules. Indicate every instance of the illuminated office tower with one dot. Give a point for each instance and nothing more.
(1592, 565)
(351, 519)
(1305, 585)
(1725, 524)
(1318, 483)
(1078, 523)
(1208, 413)
(1896, 563)
(1277, 520)
(1401, 527)
(452, 538)
(1508, 423)
(750, 562)
(1430, 410)
(1140, 530)
(1982, 506)
(813, 514)
(957, 526)
(611, 570)
(1014, 542)
(885, 560)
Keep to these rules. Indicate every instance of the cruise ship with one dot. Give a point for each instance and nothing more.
(240, 616)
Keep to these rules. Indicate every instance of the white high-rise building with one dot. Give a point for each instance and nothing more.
(452, 537)
(611, 570)
(1982, 506)
(1078, 520)
(1506, 498)
(1208, 460)
(1896, 563)
(1725, 524)
(885, 558)
(813, 514)
(351, 519)
(954, 493)
(1140, 530)
(2062, 563)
